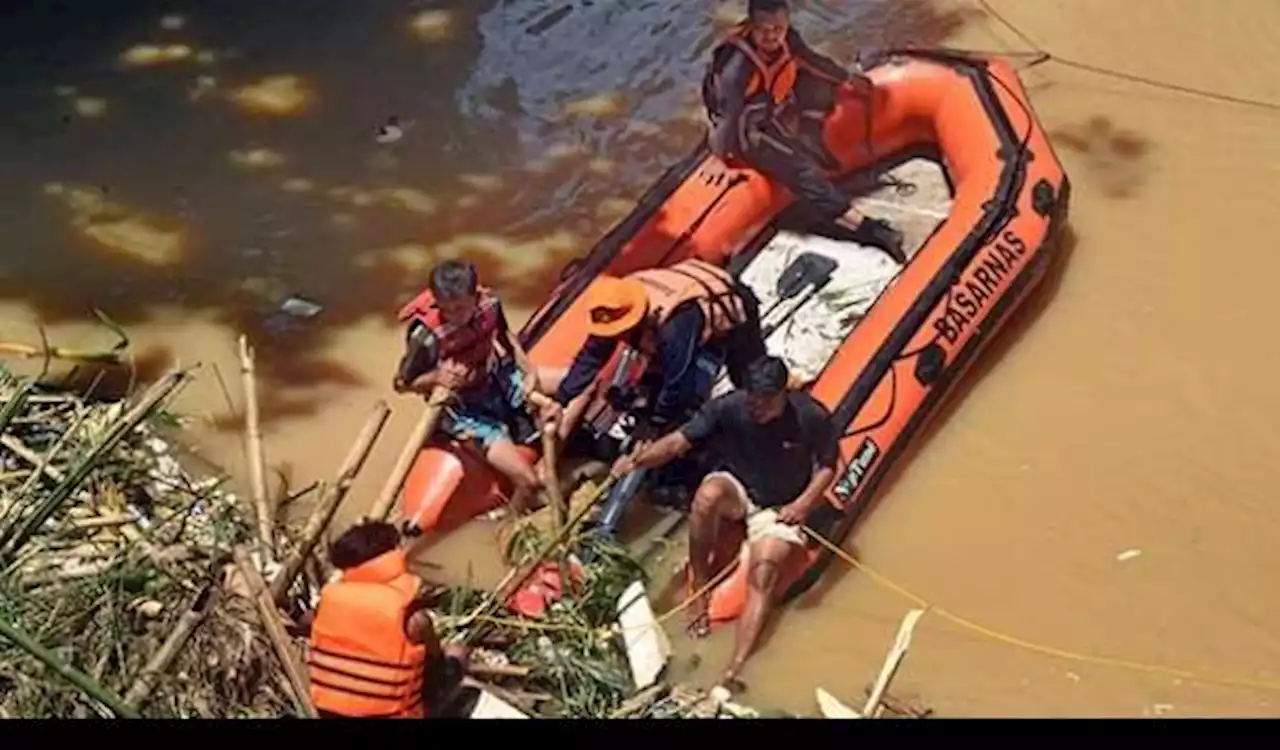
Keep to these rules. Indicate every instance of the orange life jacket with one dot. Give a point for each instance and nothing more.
(693, 280)
(470, 343)
(361, 662)
(777, 78)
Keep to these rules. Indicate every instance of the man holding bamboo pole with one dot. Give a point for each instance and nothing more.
(457, 332)
(372, 650)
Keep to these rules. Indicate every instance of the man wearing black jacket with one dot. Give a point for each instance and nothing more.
(768, 95)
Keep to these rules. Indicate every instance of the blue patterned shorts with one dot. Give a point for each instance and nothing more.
(484, 415)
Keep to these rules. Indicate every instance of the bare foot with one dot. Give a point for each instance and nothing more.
(699, 618)
(732, 682)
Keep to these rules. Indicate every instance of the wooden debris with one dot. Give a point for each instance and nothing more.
(168, 651)
(897, 652)
(280, 641)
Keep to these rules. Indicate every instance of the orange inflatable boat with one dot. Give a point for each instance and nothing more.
(1001, 197)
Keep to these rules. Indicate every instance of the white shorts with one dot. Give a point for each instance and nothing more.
(762, 523)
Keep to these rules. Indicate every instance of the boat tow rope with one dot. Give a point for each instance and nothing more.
(884, 581)
(1040, 56)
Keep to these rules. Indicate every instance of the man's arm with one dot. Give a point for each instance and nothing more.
(731, 96)
(590, 360)
(420, 629)
(417, 369)
(824, 447)
(511, 342)
(678, 442)
(677, 345)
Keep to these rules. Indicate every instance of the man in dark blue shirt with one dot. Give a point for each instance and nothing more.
(778, 452)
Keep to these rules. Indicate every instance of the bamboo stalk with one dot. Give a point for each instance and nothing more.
(122, 427)
(81, 680)
(559, 506)
(26, 454)
(499, 670)
(163, 658)
(322, 514)
(421, 431)
(253, 443)
(14, 404)
(45, 462)
(274, 628)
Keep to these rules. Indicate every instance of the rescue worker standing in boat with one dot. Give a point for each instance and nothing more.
(768, 95)
(689, 317)
(372, 649)
(456, 328)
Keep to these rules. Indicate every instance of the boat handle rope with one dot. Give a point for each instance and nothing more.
(976, 628)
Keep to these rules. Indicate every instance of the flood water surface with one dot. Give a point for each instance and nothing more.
(188, 168)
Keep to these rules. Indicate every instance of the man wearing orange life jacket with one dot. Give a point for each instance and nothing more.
(456, 328)
(373, 651)
(767, 95)
(688, 318)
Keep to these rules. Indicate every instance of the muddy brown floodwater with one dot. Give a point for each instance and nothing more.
(186, 168)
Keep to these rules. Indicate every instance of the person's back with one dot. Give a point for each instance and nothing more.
(368, 649)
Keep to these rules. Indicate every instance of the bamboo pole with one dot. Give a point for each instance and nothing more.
(163, 658)
(253, 443)
(558, 504)
(81, 680)
(421, 431)
(322, 514)
(280, 642)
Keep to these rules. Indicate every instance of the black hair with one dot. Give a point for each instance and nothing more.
(766, 6)
(454, 278)
(767, 376)
(363, 542)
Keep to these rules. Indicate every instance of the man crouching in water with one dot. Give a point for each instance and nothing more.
(777, 454)
(373, 651)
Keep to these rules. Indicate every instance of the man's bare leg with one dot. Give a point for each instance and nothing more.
(765, 560)
(504, 457)
(716, 500)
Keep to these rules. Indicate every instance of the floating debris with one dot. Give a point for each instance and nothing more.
(390, 131)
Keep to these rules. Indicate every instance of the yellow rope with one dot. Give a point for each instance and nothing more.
(996, 635)
(970, 625)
